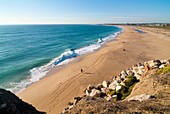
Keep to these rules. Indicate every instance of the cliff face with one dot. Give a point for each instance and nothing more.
(11, 104)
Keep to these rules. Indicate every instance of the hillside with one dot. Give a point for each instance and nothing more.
(150, 94)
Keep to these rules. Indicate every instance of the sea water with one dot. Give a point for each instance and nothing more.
(28, 52)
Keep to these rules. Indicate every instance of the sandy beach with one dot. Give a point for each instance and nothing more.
(52, 93)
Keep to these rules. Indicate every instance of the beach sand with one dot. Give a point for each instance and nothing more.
(52, 93)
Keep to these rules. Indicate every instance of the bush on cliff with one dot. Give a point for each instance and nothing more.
(126, 90)
(111, 92)
(130, 81)
(164, 70)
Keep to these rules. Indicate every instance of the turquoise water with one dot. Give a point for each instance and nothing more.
(27, 52)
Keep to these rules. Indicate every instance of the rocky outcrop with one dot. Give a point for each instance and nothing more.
(141, 97)
(11, 104)
(97, 105)
(120, 86)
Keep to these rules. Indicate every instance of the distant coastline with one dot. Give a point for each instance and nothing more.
(153, 25)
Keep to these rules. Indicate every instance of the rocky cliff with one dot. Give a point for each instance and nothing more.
(11, 104)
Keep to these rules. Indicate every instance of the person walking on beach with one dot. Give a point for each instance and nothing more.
(81, 70)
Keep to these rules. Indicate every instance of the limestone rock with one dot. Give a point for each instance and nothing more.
(70, 103)
(137, 76)
(90, 87)
(162, 66)
(140, 65)
(118, 87)
(104, 90)
(151, 63)
(141, 97)
(154, 63)
(130, 72)
(122, 83)
(87, 92)
(113, 85)
(95, 93)
(70, 107)
(166, 62)
(108, 98)
(99, 86)
(114, 96)
(123, 74)
(105, 84)
(76, 100)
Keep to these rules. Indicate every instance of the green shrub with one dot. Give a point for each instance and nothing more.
(124, 89)
(119, 96)
(111, 92)
(124, 95)
(127, 89)
(130, 81)
(164, 70)
(120, 93)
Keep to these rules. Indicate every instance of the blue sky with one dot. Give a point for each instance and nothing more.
(83, 11)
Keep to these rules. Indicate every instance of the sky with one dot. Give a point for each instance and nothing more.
(83, 11)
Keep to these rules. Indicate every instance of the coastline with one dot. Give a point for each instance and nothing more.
(73, 60)
(53, 92)
(69, 56)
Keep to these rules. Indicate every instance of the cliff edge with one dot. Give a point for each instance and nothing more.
(11, 104)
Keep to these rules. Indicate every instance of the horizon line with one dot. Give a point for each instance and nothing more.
(86, 23)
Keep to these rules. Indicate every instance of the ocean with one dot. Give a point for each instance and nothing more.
(28, 52)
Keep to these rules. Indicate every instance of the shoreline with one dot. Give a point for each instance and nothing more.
(79, 58)
(46, 70)
(53, 92)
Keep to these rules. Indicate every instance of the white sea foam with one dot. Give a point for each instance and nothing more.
(37, 73)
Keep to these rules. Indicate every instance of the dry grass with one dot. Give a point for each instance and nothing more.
(158, 105)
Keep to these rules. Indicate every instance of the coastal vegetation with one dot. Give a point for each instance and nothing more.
(125, 91)
(120, 88)
(164, 70)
